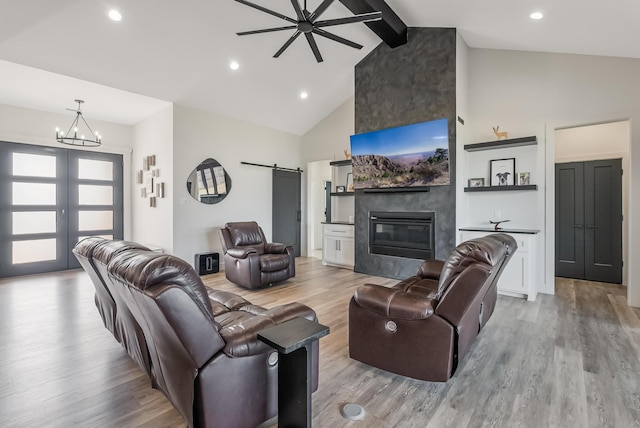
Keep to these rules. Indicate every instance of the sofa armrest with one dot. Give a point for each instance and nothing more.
(394, 303)
(431, 269)
(276, 248)
(241, 253)
(241, 339)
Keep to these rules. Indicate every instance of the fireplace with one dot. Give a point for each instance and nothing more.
(402, 234)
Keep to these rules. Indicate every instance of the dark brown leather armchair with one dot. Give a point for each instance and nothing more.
(251, 262)
(201, 343)
(423, 326)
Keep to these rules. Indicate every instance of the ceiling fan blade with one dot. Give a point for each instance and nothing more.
(288, 43)
(320, 10)
(321, 32)
(314, 46)
(267, 30)
(298, 10)
(269, 11)
(365, 17)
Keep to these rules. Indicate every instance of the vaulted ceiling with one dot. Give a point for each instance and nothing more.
(179, 51)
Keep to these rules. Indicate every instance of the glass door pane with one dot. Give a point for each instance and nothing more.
(33, 204)
(95, 196)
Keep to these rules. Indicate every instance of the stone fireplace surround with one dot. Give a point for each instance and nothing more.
(393, 87)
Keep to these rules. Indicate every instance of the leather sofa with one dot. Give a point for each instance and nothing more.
(94, 254)
(201, 344)
(250, 261)
(423, 326)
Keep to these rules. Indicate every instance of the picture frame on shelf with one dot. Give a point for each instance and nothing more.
(524, 179)
(340, 189)
(502, 172)
(476, 182)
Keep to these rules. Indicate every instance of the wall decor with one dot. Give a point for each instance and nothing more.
(524, 179)
(476, 182)
(209, 182)
(148, 178)
(502, 172)
(500, 134)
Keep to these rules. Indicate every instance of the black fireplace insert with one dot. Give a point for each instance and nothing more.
(402, 234)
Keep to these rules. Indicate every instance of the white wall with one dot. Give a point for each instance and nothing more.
(21, 125)
(198, 135)
(330, 137)
(462, 111)
(595, 142)
(317, 173)
(154, 136)
(535, 93)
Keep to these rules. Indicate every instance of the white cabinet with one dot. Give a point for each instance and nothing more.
(338, 247)
(519, 276)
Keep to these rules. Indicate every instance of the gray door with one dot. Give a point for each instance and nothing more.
(49, 199)
(589, 220)
(286, 208)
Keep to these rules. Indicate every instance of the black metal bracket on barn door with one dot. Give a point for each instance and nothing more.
(274, 166)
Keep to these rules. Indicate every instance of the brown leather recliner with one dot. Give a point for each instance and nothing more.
(423, 326)
(94, 254)
(202, 343)
(250, 261)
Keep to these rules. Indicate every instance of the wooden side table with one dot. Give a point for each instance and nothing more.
(292, 339)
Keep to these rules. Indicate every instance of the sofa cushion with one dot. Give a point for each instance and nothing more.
(273, 262)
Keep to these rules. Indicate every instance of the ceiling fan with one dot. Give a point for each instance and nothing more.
(307, 23)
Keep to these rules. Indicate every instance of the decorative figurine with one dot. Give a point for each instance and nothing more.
(347, 155)
(497, 223)
(500, 134)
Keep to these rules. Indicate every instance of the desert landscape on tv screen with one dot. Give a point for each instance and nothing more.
(407, 156)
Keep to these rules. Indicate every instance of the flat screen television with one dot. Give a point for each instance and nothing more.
(414, 155)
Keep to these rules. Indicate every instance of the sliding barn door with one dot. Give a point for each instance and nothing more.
(286, 211)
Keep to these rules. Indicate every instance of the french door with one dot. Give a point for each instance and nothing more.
(50, 198)
(589, 220)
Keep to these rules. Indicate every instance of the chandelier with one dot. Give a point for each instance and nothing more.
(79, 133)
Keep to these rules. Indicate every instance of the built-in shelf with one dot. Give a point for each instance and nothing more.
(501, 229)
(342, 193)
(397, 190)
(343, 162)
(500, 188)
(501, 144)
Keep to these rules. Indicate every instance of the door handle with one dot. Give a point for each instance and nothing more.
(577, 225)
(592, 226)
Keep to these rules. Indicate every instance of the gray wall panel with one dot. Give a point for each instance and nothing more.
(413, 83)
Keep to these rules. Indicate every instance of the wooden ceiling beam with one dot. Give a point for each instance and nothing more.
(391, 29)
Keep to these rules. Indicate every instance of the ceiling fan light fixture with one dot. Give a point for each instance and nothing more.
(536, 16)
(234, 65)
(307, 23)
(79, 124)
(304, 95)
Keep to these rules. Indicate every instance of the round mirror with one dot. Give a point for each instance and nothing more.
(209, 183)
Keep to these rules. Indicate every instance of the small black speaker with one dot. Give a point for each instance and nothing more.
(207, 263)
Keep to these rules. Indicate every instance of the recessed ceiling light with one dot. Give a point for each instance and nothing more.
(234, 65)
(536, 15)
(115, 15)
(304, 95)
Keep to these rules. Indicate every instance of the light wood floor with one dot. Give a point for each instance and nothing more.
(570, 360)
